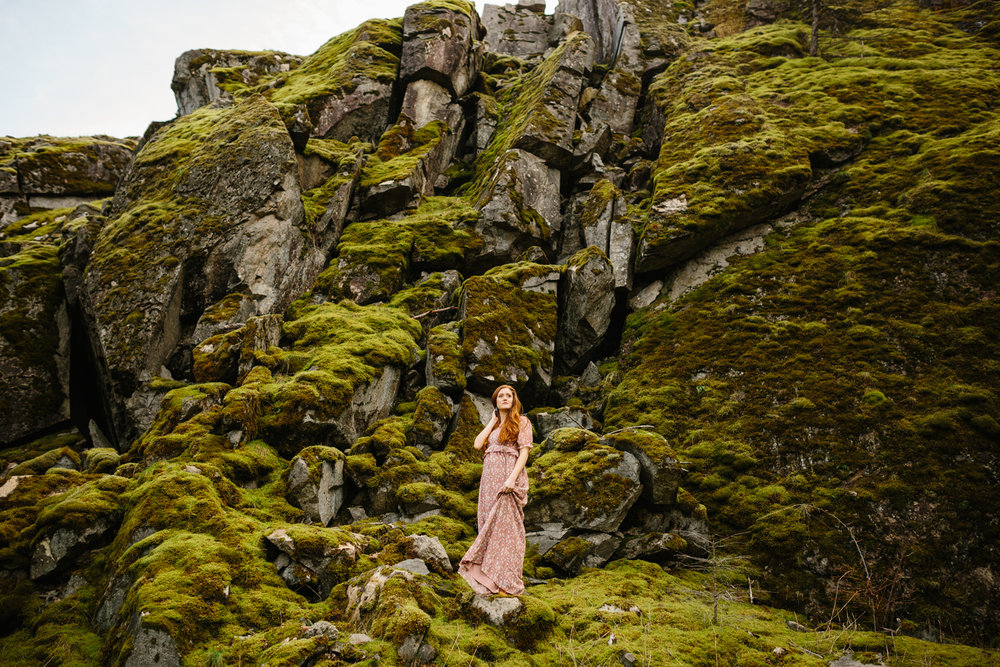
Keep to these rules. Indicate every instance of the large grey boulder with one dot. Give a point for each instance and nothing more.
(660, 470)
(431, 419)
(202, 76)
(47, 172)
(516, 30)
(588, 490)
(587, 297)
(151, 647)
(548, 132)
(428, 549)
(312, 559)
(598, 218)
(63, 544)
(215, 228)
(440, 45)
(568, 417)
(519, 209)
(445, 367)
(345, 88)
(315, 482)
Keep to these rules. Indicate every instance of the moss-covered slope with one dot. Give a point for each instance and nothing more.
(847, 374)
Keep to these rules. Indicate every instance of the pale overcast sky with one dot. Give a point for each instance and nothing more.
(81, 67)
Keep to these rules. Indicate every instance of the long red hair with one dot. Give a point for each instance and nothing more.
(511, 426)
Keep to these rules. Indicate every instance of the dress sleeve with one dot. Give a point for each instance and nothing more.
(524, 434)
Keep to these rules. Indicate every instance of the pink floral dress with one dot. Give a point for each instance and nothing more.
(499, 548)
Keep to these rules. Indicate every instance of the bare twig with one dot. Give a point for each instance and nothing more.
(435, 311)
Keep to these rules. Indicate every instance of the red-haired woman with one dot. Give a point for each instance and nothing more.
(494, 561)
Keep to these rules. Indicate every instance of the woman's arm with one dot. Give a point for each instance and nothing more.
(485, 433)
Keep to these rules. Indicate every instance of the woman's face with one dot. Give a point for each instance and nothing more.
(505, 399)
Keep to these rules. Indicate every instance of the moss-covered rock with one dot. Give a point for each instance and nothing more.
(200, 212)
(34, 343)
(445, 365)
(589, 489)
(431, 419)
(509, 327)
(375, 259)
(346, 85)
(202, 76)
(315, 481)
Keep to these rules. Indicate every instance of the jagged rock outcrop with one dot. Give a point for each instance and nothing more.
(203, 76)
(315, 482)
(34, 344)
(521, 30)
(586, 296)
(433, 218)
(219, 240)
(41, 173)
(583, 486)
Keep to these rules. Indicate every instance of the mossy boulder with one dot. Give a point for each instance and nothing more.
(199, 216)
(202, 76)
(509, 327)
(346, 85)
(431, 419)
(589, 489)
(376, 258)
(445, 364)
(337, 374)
(315, 481)
(313, 559)
(34, 343)
(659, 467)
(229, 357)
(55, 172)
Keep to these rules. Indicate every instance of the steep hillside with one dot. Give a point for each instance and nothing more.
(747, 294)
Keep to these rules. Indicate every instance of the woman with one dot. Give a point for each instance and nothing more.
(494, 561)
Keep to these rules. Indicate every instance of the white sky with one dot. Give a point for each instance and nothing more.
(81, 67)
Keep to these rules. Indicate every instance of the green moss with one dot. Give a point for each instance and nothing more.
(522, 109)
(71, 439)
(369, 52)
(510, 321)
(750, 121)
(571, 476)
(444, 350)
(376, 258)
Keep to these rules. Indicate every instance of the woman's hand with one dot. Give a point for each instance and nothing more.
(508, 487)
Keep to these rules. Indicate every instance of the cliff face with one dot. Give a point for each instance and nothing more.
(747, 294)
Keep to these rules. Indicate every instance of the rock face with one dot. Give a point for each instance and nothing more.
(203, 76)
(345, 88)
(312, 560)
(34, 344)
(586, 299)
(245, 389)
(439, 45)
(517, 30)
(64, 543)
(520, 208)
(237, 248)
(44, 172)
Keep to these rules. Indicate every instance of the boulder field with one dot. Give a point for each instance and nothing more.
(739, 259)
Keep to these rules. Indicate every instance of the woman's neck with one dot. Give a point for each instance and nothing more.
(503, 414)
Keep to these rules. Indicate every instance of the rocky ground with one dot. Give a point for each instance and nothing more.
(747, 294)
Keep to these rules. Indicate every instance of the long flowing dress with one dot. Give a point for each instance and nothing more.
(499, 547)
